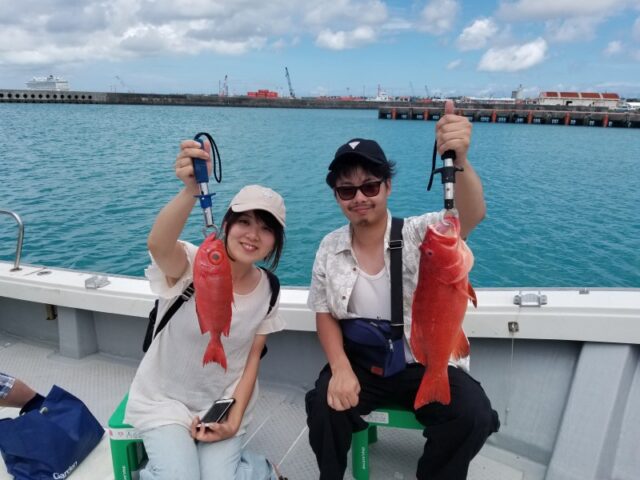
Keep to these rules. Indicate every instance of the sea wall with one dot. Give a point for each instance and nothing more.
(45, 96)
(51, 96)
(404, 109)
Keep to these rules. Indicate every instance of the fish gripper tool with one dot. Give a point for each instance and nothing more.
(202, 177)
(447, 175)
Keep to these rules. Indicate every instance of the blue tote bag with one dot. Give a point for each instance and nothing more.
(49, 443)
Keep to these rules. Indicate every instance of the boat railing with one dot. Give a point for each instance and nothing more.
(16, 217)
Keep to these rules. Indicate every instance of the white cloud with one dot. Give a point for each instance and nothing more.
(512, 59)
(573, 29)
(635, 32)
(476, 35)
(454, 64)
(92, 30)
(551, 9)
(438, 16)
(342, 40)
(613, 48)
(397, 24)
(364, 12)
(612, 85)
(279, 44)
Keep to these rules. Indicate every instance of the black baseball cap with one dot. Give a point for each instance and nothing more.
(360, 148)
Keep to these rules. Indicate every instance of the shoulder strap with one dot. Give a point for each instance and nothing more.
(395, 247)
(184, 296)
(274, 284)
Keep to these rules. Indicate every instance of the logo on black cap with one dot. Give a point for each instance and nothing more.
(360, 149)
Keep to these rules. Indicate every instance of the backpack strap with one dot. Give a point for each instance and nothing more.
(153, 332)
(274, 284)
(184, 297)
(395, 247)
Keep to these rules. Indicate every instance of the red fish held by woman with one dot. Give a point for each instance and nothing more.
(213, 295)
(439, 305)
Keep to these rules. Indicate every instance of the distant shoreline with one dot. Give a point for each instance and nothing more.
(199, 100)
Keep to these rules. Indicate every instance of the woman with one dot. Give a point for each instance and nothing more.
(172, 389)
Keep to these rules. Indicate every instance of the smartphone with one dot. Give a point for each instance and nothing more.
(218, 411)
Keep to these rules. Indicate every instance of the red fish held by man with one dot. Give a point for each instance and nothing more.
(439, 305)
(214, 296)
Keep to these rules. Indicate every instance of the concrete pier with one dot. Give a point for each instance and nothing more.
(192, 100)
(527, 114)
(424, 109)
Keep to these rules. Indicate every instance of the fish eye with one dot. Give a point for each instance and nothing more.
(215, 257)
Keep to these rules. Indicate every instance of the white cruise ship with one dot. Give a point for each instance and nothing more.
(51, 82)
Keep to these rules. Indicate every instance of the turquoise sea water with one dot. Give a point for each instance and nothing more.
(88, 181)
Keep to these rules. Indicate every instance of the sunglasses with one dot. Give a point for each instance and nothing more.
(368, 189)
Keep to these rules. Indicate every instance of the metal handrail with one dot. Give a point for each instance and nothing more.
(16, 217)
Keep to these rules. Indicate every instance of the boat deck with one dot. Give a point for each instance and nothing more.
(101, 381)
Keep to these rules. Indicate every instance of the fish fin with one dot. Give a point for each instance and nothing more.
(461, 349)
(417, 352)
(468, 292)
(215, 353)
(201, 322)
(472, 295)
(433, 388)
(420, 356)
(227, 328)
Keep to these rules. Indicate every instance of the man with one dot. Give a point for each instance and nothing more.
(351, 279)
(15, 393)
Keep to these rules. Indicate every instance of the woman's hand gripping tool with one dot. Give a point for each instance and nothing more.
(202, 177)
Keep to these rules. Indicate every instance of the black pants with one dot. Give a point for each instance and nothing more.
(455, 432)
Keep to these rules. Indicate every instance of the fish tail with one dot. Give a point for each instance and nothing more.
(215, 353)
(433, 388)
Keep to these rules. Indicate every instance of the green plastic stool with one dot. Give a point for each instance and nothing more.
(127, 449)
(393, 416)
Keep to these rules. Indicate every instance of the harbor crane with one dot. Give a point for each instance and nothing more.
(124, 85)
(224, 91)
(291, 92)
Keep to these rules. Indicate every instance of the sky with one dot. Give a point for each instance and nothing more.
(333, 47)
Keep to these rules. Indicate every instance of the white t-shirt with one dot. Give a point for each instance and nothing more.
(371, 298)
(171, 385)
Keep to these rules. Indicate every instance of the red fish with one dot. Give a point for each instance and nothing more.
(214, 296)
(439, 304)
